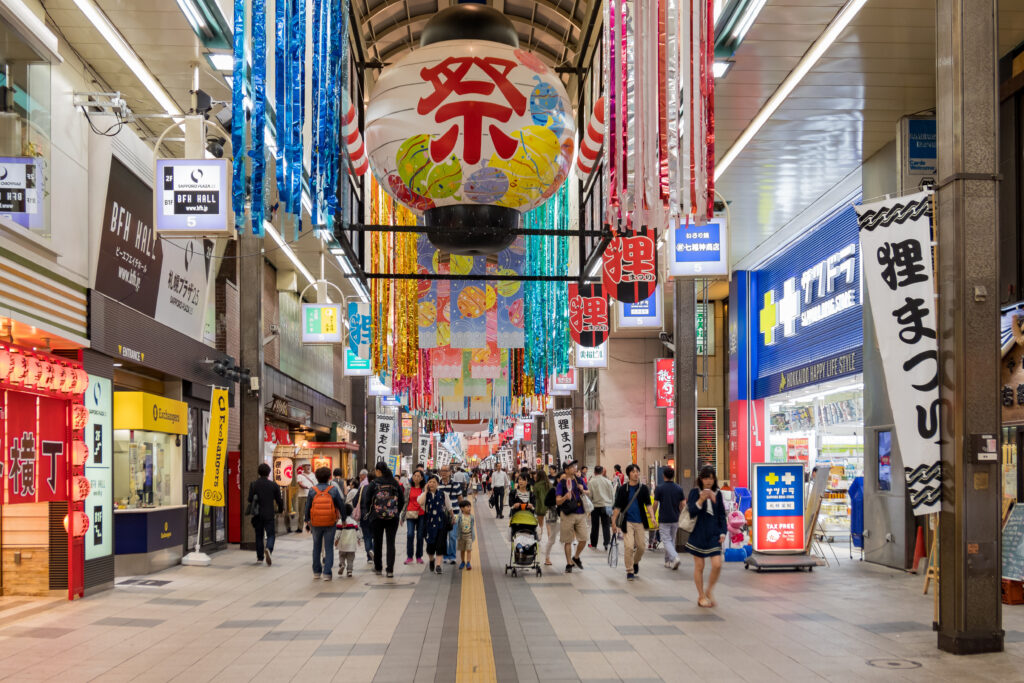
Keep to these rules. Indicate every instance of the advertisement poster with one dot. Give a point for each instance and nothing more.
(511, 322)
(664, 383)
(633, 446)
(98, 434)
(470, 301)
(216, 450)
(798, 450)
(778, 507)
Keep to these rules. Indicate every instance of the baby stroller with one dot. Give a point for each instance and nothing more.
(524, 551)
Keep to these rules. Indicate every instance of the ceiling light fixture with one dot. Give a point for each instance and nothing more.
(194, 16)
(719, 69)
(810, 58)
(744, 24)
(102, 23)
(276, 236)
(221, 61)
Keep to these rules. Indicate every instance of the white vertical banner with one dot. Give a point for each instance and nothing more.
(385, 439)
(424, 450)
(563, 434)
(895, 238)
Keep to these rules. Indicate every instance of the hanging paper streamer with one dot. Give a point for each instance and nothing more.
(510, 313)
(238, 117)
(697, 56)
(259, 110)
(469, 302)
(429, 312)
(330, 69)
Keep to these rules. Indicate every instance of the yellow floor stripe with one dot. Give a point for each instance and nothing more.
(476, 657)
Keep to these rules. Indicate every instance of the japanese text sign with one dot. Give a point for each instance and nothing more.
(700, 250)
(563, 434)
(35, 448)
(357, 352)
(895, 237)
(21, 191)
(646, 313)
(191, 197)
(385, 440)
(630, 266)
(778, 507)
(588, 314)
(592, 357)
(321, 324)
(664, 383)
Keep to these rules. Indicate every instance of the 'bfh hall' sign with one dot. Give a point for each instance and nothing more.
(192, 197)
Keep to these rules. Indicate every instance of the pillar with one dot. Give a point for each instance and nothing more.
(685, 339)
(250, 303)
(970, 609)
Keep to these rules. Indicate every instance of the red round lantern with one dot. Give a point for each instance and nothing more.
(81, 382)
(79, 453)
(34, 369)
(80, 488)
(19, 368)
(76, 523)
(79, 416)
(46, 374)
(5, 364)
(67, 379)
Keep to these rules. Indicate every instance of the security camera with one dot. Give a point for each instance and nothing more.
(215, 146)
(665, 337)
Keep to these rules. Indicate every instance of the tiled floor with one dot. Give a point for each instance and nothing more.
(237, 621)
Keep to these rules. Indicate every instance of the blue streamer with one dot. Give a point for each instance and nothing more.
(280, 95)
(238, 117)
(314, 157)
(259, 110)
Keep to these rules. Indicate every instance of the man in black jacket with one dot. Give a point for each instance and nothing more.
(264, 495)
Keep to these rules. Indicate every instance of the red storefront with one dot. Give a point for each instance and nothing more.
(44, 485)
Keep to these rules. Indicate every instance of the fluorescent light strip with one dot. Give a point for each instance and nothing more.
(102, 23)
(719, 69)
(276, 236)
(192, 14)
(810, 58)
(748, 20)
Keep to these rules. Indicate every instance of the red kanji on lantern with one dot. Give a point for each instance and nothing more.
(588, 314)
(449, 77)
(630, 265)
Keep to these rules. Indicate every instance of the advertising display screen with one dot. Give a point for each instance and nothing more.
(778, 507)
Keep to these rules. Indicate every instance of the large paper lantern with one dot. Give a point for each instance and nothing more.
(79, 453)
(79, 416)
(283, 471)
(46, 373)
(5, 364)
(34, 370)
(19, 368)
(80, 488)
(470, 130)
(76, 523)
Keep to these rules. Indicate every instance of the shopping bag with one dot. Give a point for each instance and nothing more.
(613, 552)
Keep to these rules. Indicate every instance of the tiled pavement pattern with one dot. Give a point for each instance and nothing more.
(237, 621)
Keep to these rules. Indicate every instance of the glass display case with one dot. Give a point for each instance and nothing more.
(147, 469)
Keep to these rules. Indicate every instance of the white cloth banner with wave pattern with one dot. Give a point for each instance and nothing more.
(895, 240)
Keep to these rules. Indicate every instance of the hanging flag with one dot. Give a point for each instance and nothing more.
(216, 450)
(630, 265)
(510, 313)
(563, 434)
(588, 314)
(895, 236)
(385, 439)
(664, 383)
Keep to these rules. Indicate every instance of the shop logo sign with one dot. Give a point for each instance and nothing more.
(824, 290)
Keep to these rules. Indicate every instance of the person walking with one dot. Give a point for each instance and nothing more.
(602, 492)
(346, 541)
(669, 499)
(453, 490)
(264, 496)
(569, 499)
(553, 518)
(413, 516)
(499, 484)
(437, 514)
(361, 513)
(522, 497)
(323, 507)
(386, 498)
(339, 481)
(465, 527)
(630, 519)
(619, 478)
(705, 504)
(541, 486)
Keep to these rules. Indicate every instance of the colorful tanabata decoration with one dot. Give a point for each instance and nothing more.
(588, 314)
(470, 122)
(630, 265)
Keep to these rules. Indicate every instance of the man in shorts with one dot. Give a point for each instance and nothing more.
(569, 499)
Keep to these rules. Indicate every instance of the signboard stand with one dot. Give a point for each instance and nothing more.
(779, 520)
(197, 558)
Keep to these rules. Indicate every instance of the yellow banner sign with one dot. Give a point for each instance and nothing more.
(149, 412)
(216, 450)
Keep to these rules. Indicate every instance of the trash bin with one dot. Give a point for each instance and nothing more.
(743, 498)
(856, 494)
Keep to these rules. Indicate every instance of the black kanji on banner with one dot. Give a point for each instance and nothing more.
(588, 314)
(630, 265)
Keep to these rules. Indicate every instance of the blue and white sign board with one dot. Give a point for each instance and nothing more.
(192, 197)
(699, 250)
(646, 313)
(357, 352)
(21, 191)
(778, 507)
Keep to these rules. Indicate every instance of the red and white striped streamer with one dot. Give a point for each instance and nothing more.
(354, 142)
(592, 140)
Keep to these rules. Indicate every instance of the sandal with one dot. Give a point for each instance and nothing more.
(704, 602)
(547, 562)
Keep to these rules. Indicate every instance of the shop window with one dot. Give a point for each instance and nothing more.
(147, 469)
(24, 134)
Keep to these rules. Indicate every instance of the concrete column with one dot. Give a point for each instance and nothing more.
(250, 297)
(970, 614)
(685, 339)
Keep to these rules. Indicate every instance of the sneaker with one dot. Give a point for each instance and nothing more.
(419, 560)
(377, 572)
(349, 574)
(390, 574)
(578, 562)
(462, 565)
(675, 563)
(469, 566)
(636, 568)
(370, 555)
(266, 556)
(327, 577)
(437, 569)
(259, 562)
(630, 576)
(668, 565)
(316, 577)
(409, 561)
(568, 569)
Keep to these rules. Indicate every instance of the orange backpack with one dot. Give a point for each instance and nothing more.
(322, 511)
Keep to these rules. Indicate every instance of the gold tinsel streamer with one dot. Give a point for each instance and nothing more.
(381, 254)
(406, 300)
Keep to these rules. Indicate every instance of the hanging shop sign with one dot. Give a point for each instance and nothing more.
(36, 448)
(424, 449)
(21, 191)
(699, 250)
(192, 198)
(592, 356)
(321, 324)
(98, 434)
(808, 309)
(670, 425)
(646, 313)
(149, 412)
(357, 351)
(633, 446)
(216, 450)
(564, 381)
(705, 328)
(588, 314)
(664, 383)
(563, 434)
(385, 442)
(375, 387)
(900, 280)
(528, 431)
(406, 429)
(778, 507)
(630, 266)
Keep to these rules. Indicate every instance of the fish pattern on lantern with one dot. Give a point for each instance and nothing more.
(492, 124)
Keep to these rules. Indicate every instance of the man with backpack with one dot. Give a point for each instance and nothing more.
(324, 505)
(386, 500)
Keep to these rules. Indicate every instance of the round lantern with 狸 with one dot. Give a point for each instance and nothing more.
(470, 131)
